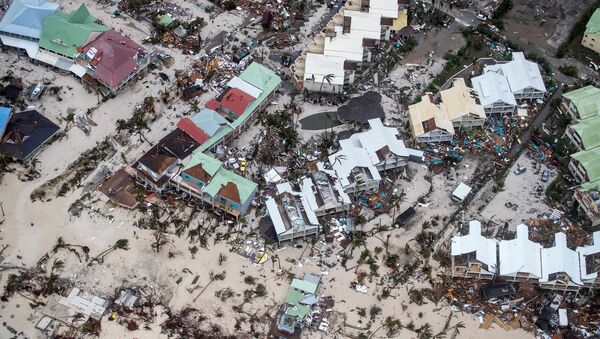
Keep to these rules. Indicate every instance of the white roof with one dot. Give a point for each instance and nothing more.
(385, 8)
(367, 25)
(275, 216)
(560, 258)
(492, 87)
(308, 190)
(318, 66)
(520, 73)
(30, 46)
(461, 191)
(348, 158)
(520, 255)
(272, 176)
(484, 248)
(240, 84)
(347, 46)
(377, 137)
(584, 251)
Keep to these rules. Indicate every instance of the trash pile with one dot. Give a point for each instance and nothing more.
(276, 15)
(497, 139)
(522, 305)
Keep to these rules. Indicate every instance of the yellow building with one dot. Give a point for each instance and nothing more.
(591, 37)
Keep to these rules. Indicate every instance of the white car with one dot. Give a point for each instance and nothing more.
(481, 17)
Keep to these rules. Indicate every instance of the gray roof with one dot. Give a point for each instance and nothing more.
(26, 17)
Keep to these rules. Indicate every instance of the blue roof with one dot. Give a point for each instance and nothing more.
(4, 118)
(209, 121)
(26, 17)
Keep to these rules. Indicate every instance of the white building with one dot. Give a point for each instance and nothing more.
(560, 266)
(347, 46)
(326, 74)
(523, 77)
(473, 255)
(520, 258)
(362, 156)
(324, 196)
(291, 214)
(494, 93)
(365, 25)
(589, 262)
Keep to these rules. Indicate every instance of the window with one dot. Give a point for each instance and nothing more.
(223, 201)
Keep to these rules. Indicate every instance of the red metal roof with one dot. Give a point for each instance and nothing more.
(192, 130)
(233, 99)
(116, 58)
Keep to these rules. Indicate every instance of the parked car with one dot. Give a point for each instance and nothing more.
(481, 17)
(545, 176)
(251, 152)
(520, 169)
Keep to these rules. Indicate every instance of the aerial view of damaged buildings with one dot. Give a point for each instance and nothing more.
(364, 168)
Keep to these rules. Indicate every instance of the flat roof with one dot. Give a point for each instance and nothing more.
(347, 46)
(319, 66)
(367, 25)
(385, 8)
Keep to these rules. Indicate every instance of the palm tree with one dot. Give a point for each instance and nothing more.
(57, 265)
(121, 244)
(329, 79)
(60, 243)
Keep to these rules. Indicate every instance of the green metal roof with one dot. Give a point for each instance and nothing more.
(590, 186)
(590, 160)
(294, 297)
(209, 164)
(589, 132)
(165, 20)
(304, 286)
(299, 311)
(587, 101)
(260, 77)
(222, 177)
(64, 32)
(593, 26)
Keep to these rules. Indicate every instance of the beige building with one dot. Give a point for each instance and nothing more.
(459, 108)
(591, 37)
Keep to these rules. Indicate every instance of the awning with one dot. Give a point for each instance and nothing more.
(60, 62)
(30, 46)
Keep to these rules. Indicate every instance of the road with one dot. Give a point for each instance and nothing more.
(536, 124)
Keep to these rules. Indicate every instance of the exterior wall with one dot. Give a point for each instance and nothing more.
(577, 170)
(193, 181)
(314, 86)
(557, 285)
(435, 136)
(521, 277)
(591, 41)
(567, 107)
(391, 162)
(474, 271)
(574, 138)
(298, 232)
(500, 107)
(468, 122)
(367, 185)
(587, 205)
(529, 94)
(592, 283)
(18, 36)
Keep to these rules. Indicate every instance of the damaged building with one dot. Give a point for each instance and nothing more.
(458, 109)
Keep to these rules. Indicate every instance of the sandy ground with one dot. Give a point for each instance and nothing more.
(521, 192)
(32, 228)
